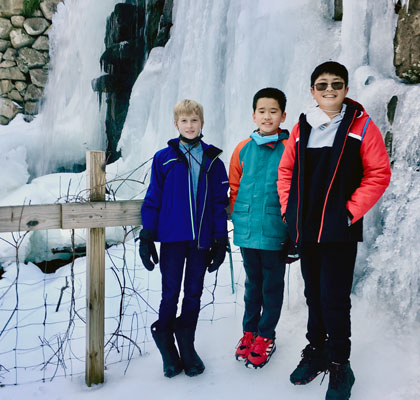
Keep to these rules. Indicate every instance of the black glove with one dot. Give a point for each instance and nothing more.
(147, 249)
(292, 253)
(217, 254)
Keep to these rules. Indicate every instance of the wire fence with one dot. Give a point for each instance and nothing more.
(43, 315)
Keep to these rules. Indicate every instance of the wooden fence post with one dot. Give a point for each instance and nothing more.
(95, 274)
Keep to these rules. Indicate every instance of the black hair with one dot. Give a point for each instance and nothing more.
(330, 67)
(270, 93)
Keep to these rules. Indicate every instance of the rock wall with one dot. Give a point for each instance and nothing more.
(407, 42)
(24, 57)
(133, 29)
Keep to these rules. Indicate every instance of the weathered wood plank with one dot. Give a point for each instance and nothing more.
(95, 175)
(101, 214)
(30, 217)
(70, 215)
(95, 275)
(95, 311)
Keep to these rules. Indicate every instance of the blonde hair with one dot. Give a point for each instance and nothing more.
(188, 107)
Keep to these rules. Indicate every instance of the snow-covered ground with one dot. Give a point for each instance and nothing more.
(385, 359)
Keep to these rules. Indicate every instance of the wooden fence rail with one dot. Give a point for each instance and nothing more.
(99, 214)
(94, 215)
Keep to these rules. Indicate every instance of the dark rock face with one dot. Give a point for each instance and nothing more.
(407, 42)
(391, 108)
(338, 10)
(133, 29)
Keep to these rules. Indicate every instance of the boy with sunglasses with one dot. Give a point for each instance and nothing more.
(334, 169)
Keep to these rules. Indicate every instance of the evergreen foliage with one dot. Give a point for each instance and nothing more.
(29, 6)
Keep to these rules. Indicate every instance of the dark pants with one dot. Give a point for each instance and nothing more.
(327, 269)
(264, 286)
(172, 261)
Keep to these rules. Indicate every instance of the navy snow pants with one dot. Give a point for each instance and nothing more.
(327, 269)
(264, 286)
(173, 257)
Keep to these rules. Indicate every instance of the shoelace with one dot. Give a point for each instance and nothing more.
(246, 340)
(336, 377)
(323, 377)
(306, 356)
(260, 346)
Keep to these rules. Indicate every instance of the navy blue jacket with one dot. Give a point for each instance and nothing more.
(169, 208)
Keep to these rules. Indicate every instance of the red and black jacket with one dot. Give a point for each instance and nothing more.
(358, 174)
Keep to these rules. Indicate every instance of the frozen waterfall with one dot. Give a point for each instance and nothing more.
(220, 53)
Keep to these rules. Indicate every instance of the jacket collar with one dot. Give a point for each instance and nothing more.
(210, 152)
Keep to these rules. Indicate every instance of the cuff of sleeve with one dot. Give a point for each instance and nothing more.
(349, 217)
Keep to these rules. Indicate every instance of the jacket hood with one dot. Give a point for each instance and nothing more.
(355, 104)
(351, 104)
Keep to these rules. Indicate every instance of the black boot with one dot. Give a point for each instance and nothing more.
(165, 342)
(314, 361)
(341, 381)
(191, 361)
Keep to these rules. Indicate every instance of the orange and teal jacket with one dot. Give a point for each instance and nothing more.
(356, 175)
(254, 201)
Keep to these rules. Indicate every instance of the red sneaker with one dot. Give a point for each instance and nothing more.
(260, 353)
(244, 346)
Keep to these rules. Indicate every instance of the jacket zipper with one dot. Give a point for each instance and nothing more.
(332, 180)
(205, 201)
(191, 210)
(297, 210)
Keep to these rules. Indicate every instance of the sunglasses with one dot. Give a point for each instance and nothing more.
(323, 86)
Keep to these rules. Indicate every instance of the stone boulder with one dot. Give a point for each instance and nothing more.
(31, 108)
(35, 26)
(5, 86)
(5, 28)
(17, 21)
(49, 7)
(20, 38)
(4, 45)
(9, 8)
(15, 95)
(32, 58)
(7, 64)
(21, 86)
(33, 93)
(12, 73)
(39, 77)
(10, 54)
(41, 43)
(8, 110)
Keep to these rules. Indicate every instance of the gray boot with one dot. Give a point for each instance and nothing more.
(165, 342)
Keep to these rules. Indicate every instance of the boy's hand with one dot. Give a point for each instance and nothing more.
(292, 253)
(147, 249)
(217, 254)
